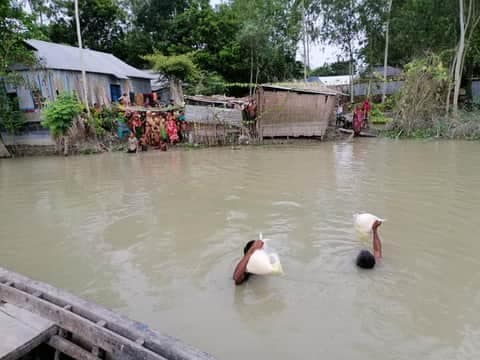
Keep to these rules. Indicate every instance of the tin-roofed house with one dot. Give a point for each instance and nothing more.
(297, 110)
(59, 69)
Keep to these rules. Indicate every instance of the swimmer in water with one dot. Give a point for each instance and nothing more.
(240, 275)
(367, 260)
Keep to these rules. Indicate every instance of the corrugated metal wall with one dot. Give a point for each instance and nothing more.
(288, 113)
(51, 81)
(476, 88)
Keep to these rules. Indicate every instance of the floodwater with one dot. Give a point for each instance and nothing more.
(156, 236)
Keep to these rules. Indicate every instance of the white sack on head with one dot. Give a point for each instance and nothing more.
(363, 224)
(263, 263)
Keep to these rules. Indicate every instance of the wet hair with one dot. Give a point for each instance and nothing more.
(365, 260)
(248, 246)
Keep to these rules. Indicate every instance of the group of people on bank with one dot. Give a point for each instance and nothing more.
(360, 116)
(155, 129)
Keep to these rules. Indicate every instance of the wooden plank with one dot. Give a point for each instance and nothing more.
(21, 331)
(119, 347)
(167, 346)
(70, 349)
(362, 133)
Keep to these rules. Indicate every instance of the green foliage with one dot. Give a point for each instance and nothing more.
(377, 114)
(336, 68)
(209, 84)
(102, 23)
(59, 114)
(174, 67)
(341, 24)
(15, 27)
(12, 119)
(420, 105)
(103, 121)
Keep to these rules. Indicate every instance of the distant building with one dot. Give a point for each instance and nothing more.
(337, 80)
(378, 72)
(370, 83)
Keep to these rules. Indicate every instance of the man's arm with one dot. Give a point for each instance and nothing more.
(377, 245)
(241, 268)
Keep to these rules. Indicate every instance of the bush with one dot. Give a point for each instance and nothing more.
(377, 114)
(12, 119)
(102, 121)
(59, 114)
(420, 105)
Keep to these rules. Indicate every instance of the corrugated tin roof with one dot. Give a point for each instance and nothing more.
(63, 57)
(331, 80)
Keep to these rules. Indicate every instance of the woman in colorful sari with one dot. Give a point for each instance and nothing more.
(172, 130)
(149, 124)
(137, 126)
(357, 121)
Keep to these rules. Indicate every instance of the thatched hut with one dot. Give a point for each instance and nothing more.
(300, 111)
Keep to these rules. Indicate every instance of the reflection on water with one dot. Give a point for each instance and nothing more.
(156, 236)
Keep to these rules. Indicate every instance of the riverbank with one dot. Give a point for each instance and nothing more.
(113, 144)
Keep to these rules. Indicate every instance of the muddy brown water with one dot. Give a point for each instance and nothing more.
(155, 236)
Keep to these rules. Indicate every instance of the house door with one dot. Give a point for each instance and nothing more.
(115, 92)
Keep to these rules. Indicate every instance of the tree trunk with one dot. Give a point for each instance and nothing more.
(385, 62)
(251, 69)
(66, 141)
(449, 84)
(176, 91)
(460, 53)
(352, 95)
(304, 33)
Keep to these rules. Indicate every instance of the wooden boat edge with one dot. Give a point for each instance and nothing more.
(132, 331)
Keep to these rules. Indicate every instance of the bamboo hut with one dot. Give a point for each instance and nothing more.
(285, 111)
(213, 120)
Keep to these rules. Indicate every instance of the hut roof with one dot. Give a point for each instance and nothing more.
(306, 88)
(63, 57)
(216, 99)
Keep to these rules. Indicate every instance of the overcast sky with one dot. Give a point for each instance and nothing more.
(319, 53)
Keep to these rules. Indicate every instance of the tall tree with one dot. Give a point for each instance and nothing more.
(102, 23)
(341, 27)
(469, 19)
(15, 27)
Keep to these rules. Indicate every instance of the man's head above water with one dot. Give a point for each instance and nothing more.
(365, 260)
